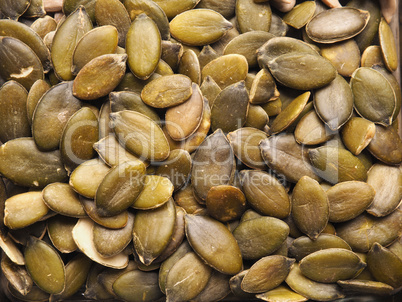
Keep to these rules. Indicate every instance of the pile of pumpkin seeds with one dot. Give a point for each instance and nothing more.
(199, 150)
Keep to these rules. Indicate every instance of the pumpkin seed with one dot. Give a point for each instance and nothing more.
(190, 66)
(379, 107)
(21, 236)
(216, 288)
(255, 242)
(110, 242)
(388, 45)
(331, 265)
(83, 237)
(214, 243)
(357, 134)
(65, 40)
(45, 266)
(387, 183)
(235, 286)
(11, 250)
(186, 200)
(153, 230)
(281, 294)
(348, 22)
(14, 9)
(157, 190)
(60, 231)
(257, 118)
(119, 188)
(211, 168)
(36, 294)
(38, 89)
(171, 53)
(13, 98)
(252, 16)
(273, 108)
(16, 275)
(175, 7)
(230, 108)
(42, 26)
(199, 27)
(386, 145)
(70, 6)
(206, 55)
(109, 275)
(349, 199)
(372, 56)
(210, 90)
(263, 88)
(299, 15)
(310, 130)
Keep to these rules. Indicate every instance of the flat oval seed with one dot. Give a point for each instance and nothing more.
(143, 46)
(310, 130)
(153, 230)
(263, 89)
(98, 41)
(337, 165)
(13, 99)
(140, 135)
(387, 183)
(69, 6)
(253, 239)
(281, 294)
(45, 266)
(300, 14)
(189, 65)
(372, 56)
(386, 145)
(311, 289)
(65, 41)
(310, 208)
(265, 193)
(266, 274)
(51, 115)
(60, 231)
(388, 45)
(251, 16)
(100, 76)
(337, 24)
(19, 62)
(230, 108)
(374, 98)
(366, 287)
(226, 70)
(24, 209)
(225, 203)
(349, 199)
(61, 198)
(214, 243)
(199, 27)
(38, 89)
(83, 237)
(16, 275)
(175, 7)
(110, 242)
(184, 119)
(24, 164)
(119, 189)
(331, 265)
(157, 190)
(15, 9)
(207, 164)
(167, 91)
(216, 288)
(11, 250)
(357, 134)
(303, 246)
(137, 286)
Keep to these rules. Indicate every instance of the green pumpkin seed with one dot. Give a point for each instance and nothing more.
(48, 125)
(372, 56)
(299, 15)
(348, 22)
(387, 183)
(60, 231)
(210, 90)
(167, 91)
(120, 188)
(252, 16)
(14, 9)
(16, 275)
(26, 35)
(366, 287)
(206, 55)
(386, 145)
(42, 26)
(13, 98)
(96, 42)
(171, 53)
(95, 289)
(384, 265)
(110, 242)
(310, 208)
(311, 289)
(83, 237)
(255, 242)
(273, 108)
(11, 250)
(108, 276)
(265, 193)
(157, 191)
(235, 286)
(153, 230)
(256, 118)
(282, 151)
(113, 222)
(226, 70)
(310, 130)
(21, 236)
(388, 45)
(45, 266)
(345, 56)
(186, 200)
(331, 265)
(281, 294)
(133, 129)
(217, 288)
(337, 165)
(214, 243)
(190, 66)
(22, 163)
(65, 40)
(38, 89)
(211, 168)
(357, 134)
(363, 231)
(69, 6)
(263, 88)
(61, 198)
(396, 248)
(349, 199)
(230, 108)
(199, 27)
(184, 119)
(375, 102)
(87, 177)
(176, 168)
(104, 120)
(225, 9)
(175, 7)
